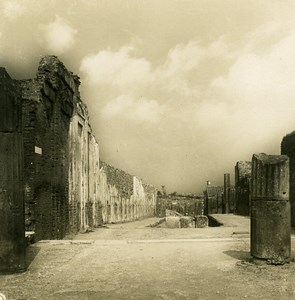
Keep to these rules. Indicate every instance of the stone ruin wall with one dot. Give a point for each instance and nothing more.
(243, 185)
(12, 238)
(124, 197)
(66, 187)
(215, 199)
(185, 205)
(288, 148)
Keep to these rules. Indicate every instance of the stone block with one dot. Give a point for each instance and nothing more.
(173, 222)
(186, 222)
(201, 221)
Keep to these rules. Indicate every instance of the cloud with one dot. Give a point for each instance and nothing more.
(59, 36)
(222, 102)
(117, 69)
(138, 110)
(13, 9)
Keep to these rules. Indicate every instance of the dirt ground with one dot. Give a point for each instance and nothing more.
(131, 261)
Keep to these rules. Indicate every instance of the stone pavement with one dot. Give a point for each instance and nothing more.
(130, 261)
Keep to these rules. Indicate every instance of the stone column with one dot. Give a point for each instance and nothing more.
(226, 193)
(270, 208)
(12, 225)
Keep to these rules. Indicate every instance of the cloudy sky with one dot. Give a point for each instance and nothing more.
(178, 91)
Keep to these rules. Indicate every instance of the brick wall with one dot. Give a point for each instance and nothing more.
(48, 103)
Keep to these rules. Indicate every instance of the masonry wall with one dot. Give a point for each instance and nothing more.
(185, 205)
(48, 105)
(67, 189)
(242, 185)
(12, 238)
(216, 204)
(124, 197)
(288, 148)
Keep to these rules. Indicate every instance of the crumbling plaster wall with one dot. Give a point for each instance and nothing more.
(124, 197)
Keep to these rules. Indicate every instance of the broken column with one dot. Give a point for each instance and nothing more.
(12, 225)
(242, 187)
(270, 208)
(226, 193)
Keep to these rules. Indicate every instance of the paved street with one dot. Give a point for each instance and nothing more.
(131, 261)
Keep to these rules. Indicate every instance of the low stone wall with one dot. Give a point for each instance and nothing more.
(185, 205)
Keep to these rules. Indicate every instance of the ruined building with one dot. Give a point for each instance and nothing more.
(66, 186)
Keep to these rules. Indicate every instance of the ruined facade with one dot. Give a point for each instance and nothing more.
(66, 187)
(242, 184)
(288, 148)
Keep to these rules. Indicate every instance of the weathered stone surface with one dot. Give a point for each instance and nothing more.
(124, 197)
(201, 221)
(288, 148)
(12, 225)
(186, 222)
(242, 187)
(173, 222)
(270, 208)
(213, 196)
(186, 205)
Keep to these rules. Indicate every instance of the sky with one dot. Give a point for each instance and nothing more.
(177, 91)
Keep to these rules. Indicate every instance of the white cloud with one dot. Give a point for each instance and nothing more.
(139, 110)
(118, 68)
(245, 105)
(13, 9)
(59, 36)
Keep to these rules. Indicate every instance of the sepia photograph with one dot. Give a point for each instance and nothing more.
(147, 149)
